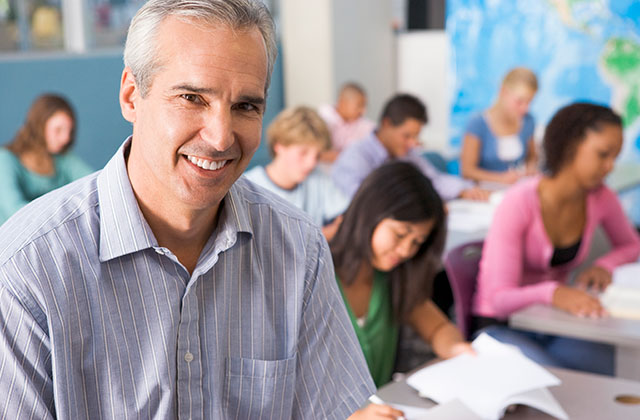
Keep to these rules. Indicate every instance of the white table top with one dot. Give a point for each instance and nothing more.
(549, 320)
(582, 395)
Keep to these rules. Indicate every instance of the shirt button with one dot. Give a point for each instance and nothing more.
(188, 357)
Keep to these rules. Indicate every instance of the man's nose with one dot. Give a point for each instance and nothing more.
(217, 128)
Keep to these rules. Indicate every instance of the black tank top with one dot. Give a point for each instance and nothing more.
(564, 255)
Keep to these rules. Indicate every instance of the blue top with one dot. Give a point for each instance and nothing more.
(100, 319)
(489, 158)
(361, 158)
(316, 195)
(18, 185)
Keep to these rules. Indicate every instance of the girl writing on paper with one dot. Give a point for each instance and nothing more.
(498, 143)
(543, 229)
(386, 253)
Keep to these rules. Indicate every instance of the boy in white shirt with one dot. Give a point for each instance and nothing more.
(296, 138)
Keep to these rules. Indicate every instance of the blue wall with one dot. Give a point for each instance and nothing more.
(91, 82)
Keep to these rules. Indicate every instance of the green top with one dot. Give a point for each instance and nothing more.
(378, 336)
(18, 185)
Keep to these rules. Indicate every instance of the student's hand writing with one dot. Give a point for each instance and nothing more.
(461, 348)
(577, 302)
(476, 194)
(594, 277)
(510, 176)
(376, 411)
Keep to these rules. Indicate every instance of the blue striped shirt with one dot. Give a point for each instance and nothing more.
(100, 322)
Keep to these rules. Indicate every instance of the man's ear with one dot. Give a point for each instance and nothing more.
(277, 148)
(129, 94)
(386, 123)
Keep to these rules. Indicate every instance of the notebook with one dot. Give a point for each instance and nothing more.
(498, 376)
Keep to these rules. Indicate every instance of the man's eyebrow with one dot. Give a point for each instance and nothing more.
(257, 100)
(192, 88)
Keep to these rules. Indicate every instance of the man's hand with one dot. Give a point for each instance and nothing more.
(377, 411)
(577, 302)
(594, 277)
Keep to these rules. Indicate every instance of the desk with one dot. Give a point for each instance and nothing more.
(582, 395)
(624, 334)
(468, 221)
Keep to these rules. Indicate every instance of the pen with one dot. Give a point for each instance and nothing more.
(377, 400)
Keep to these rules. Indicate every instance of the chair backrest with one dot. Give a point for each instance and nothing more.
(461, 265)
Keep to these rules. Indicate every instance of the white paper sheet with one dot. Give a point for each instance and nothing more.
(627, 275)
(483, 382)
(622, 297)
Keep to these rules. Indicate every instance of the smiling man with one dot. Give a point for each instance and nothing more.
(163, 286)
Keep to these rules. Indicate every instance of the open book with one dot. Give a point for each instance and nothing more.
(487, 383)
(622, 297)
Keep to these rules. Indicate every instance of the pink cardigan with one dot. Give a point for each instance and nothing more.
(515, 267)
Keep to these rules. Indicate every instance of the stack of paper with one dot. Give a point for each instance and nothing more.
(497, 377)
(622, 297)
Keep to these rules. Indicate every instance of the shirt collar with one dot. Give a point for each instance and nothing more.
(123, 228)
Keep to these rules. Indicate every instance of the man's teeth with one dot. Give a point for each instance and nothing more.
(209, 165)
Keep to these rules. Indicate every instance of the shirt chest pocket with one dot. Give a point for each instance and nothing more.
(256, 389)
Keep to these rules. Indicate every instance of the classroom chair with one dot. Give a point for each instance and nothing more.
(461, 265)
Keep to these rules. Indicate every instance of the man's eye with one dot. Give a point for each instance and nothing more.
(246, 106)
(190, 97)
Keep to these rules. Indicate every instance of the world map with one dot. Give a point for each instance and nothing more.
(587, 50)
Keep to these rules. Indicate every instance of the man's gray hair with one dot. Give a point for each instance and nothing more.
(141, 49)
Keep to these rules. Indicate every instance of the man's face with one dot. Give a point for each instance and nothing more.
(400, 139)
(200, 123)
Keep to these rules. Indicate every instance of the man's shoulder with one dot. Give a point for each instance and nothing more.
(47, 214)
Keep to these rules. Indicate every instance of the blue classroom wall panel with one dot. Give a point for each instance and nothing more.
(91, 83)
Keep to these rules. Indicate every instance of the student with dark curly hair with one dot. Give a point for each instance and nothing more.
(543, 229)
(386, 253)
(38, 159)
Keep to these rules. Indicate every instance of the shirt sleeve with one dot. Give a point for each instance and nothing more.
(335, 202)
(349, 170)
(503, 258)
(332, 379)
(26, 383)
(476, 126)
(13, 198)
(448, 186)
(624, 239)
